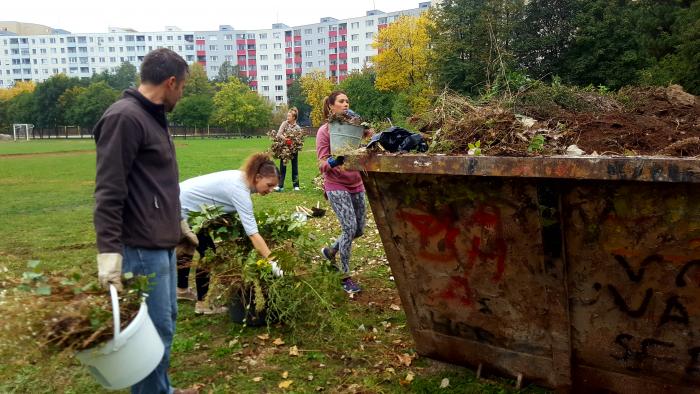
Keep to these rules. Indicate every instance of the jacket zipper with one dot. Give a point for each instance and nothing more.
(155, 202)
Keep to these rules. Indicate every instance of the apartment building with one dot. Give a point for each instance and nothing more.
(271, 58)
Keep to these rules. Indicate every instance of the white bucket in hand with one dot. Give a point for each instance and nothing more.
(130, 356)
(345, 136)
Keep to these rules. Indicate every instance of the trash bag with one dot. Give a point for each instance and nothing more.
(398, 139)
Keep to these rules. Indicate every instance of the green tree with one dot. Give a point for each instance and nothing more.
(193, 111)
(472, 42)
(236, 107)
(316, 86)
(21, 109)
(85, 106)
(297, 98)
(365, 99)
(544, 35)
(606, 49)
(672, 39)
(124, 77)
(48, 111)
(197, 82)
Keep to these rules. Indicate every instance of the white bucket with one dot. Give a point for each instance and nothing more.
(345, 136)
(130, 356)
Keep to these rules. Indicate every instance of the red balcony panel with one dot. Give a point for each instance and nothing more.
(201, 53)
(240, 41)
(250, 41)
(253, 83)
(290, 71)
(287, 38)
(343, 44)
(288, 60)
(240, 52)
(198, 42)
(297, 71)
(290, 81)
(343, 67)
(332, 33)
(297, 59)
(251, 62)
(343, 32)
(297, 38)
(252, 73)
(333, 56)
(242, 73)
(334, 67)
(383, 25)
(341, 78)
(251, 52)
(342, 56)
(202, 63)
(288, 49)
(297, 49)
(332, 45)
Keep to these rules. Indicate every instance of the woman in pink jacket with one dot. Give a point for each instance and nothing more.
(344, 190)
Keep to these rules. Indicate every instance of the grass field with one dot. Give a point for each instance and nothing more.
(46, 214)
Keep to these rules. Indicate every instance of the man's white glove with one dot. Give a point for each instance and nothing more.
(188, 234)
(276, 270)
(109, 270)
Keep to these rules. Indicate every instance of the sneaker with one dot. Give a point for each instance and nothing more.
(202, 308)
(186, 294)
(296, 188)
(279, 189)
(351, 287)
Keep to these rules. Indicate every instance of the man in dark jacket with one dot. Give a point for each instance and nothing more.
(137, 206)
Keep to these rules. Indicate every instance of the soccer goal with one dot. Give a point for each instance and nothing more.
(21, 131)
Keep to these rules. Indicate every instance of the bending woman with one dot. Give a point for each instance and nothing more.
(230, 190)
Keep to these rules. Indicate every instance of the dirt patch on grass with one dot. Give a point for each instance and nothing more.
(48, 154)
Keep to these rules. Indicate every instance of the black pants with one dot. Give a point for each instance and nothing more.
(295, 171)
(184, 262)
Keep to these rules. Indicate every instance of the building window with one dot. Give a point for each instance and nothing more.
(308, 42)
(369, 22)
(356, 60)
(265, 88)
(309, 53)
(369, 34)
(355, 37)
(277, 45)
(308, 31)
(277, 56)
(262, 36)
(321, 41)
(278, 66)
(213, 48)
(321, 52)
(356, 48)
(279, 77)
(355, 25)
(279, 88)
(319, 30)
(279, 98)
(263, 67)
(322, 63)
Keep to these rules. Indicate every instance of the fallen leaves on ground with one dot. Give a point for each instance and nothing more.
(294, 351)
(278, 342)
(285, 384)
(444, 383)
(405, 359)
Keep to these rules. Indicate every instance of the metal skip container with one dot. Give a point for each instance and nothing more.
(576, 273)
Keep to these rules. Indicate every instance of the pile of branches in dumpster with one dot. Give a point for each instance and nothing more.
(63, 312)
(556, 119)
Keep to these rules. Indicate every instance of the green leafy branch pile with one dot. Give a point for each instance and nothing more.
(305, 294)
(56, 312)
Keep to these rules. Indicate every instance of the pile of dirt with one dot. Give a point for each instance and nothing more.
(633, 121)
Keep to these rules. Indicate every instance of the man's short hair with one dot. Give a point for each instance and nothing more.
(161, 64)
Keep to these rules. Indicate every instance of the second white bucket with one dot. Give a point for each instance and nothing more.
(344, 137)
(130, 356)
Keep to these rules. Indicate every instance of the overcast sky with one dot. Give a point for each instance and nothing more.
(94, 16)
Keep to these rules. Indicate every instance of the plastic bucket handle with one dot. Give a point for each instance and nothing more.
(118, 340)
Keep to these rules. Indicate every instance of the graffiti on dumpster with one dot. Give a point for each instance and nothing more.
(635, 351)
(483, 242)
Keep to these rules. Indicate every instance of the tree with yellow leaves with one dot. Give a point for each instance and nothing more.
(316, 86)
(402, 58)
(19, 88)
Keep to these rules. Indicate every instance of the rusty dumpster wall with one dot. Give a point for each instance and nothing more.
(633, 261)
(582, 284)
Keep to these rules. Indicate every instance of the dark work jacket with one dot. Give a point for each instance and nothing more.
(137, 195)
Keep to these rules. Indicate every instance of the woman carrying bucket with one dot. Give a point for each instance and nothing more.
(230, 190)
(286, 131)
(344, 190)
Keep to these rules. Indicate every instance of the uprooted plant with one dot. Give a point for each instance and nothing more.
(303, 294)
(63, 312)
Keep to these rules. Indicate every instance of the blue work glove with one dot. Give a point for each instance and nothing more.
(335, 162)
